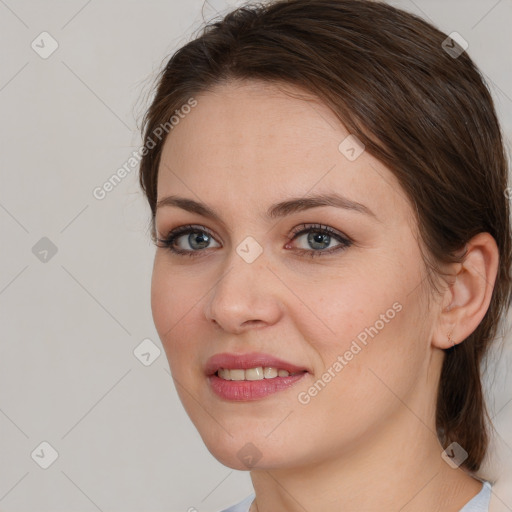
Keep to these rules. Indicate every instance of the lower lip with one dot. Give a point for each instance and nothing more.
(244, 390)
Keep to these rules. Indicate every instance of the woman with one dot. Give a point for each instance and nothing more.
(327, 185)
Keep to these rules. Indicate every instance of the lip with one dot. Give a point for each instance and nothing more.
(248, 360)
(243, 390)
(247, 390)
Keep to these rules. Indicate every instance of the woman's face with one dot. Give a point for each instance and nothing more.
(355, 315)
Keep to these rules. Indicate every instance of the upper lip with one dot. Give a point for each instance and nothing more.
(248, 360)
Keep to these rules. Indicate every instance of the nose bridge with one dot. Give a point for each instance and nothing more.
(246, 260)
(243, 294)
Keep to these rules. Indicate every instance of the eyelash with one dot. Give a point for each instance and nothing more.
(345, 241)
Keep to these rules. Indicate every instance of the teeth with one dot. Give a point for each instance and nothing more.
(269, 373)
(258, 373)
(253, 373)
(224, 374)
(237, 374)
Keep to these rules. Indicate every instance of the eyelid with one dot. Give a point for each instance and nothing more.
(184, 229)
(305, 227)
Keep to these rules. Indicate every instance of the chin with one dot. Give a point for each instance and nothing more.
(239, 453)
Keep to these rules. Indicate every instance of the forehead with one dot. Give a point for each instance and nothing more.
(242, 109)
(258, 143)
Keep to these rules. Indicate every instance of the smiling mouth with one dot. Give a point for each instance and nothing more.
(252, 374)
(251, 384)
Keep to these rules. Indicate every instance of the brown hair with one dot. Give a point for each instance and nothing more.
(420, 110)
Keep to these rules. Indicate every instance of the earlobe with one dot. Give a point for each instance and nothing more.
(450, 341)
(467, 298)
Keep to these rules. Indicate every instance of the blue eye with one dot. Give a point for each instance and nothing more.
(198, 238)
(319, 237)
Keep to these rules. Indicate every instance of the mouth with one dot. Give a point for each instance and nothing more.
(250, 376)
(250, 366)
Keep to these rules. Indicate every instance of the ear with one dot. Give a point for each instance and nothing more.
(468, 295)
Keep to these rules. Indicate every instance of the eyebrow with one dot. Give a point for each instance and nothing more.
(275, 211)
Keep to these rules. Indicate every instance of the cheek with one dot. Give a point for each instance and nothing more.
(364, 328)
(173, 304)
(162, 304)
(363, 368)
(340, 309)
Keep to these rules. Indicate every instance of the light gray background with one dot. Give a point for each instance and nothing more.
(68, 373)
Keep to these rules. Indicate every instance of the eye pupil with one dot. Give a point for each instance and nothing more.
(201, 238)
(319, 238)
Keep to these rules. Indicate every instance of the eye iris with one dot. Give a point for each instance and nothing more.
(201, 238)
(318, 238)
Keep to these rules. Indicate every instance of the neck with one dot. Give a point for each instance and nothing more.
(400, 469)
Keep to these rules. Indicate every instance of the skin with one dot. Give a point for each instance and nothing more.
(367, 440)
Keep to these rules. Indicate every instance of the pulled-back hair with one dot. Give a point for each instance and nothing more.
(422, 110)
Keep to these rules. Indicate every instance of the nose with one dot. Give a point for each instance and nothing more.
(246, 296)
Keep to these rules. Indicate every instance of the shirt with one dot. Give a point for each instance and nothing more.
(479, 503)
